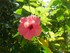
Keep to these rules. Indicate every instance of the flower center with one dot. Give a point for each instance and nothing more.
(30, 27)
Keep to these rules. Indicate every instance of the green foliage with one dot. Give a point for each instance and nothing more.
(55, 23)
(45, 49)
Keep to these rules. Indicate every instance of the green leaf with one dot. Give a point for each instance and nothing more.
(45, 45)
(19, 11)
(33, 4)
(16, 35)
(45, 20)
(46, 50)
(59, 32)
(50, 4)
(60, 18)
(41, 9)
(20, 0)
(32, 0)
(54, 11)
(22, 42)
(44, 29)
(29, 9)
(56, 2)
(68, 28)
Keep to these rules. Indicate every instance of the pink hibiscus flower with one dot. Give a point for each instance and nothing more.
(29, 27)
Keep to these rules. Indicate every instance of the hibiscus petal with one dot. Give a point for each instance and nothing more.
(33, 19)
(29, 34)
(37, 21)
(22, 29)
(37, 30)
(23, 19)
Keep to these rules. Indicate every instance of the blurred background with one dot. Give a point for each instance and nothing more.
(55, 23)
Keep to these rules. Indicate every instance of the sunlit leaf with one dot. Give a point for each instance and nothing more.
(52, 36)
(60, 32)
(33, 4)
(60, 38)
(19, 0)
(19, 11)
(56, 44)
(29, 9)
(32, 0)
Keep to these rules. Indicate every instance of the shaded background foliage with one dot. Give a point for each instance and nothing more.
(55, 22)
